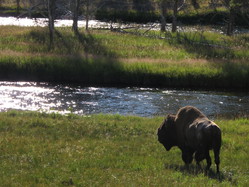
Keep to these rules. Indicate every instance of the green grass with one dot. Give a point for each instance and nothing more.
(40, 149)
(104, 57)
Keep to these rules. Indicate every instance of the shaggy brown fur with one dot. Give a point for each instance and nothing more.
(193, 133)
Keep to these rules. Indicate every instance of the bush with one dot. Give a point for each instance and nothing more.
(211, 17)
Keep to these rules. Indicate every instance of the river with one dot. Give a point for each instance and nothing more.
(146, 102)
(96, 24)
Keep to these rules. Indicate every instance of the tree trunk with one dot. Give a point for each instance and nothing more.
(87, 13)
(51, 18)
(174, 19)
(230, 24)
(18, 7)
(75, 16)
(163, 15)
(195, 4)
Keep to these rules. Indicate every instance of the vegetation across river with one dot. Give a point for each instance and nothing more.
(184, 60)
(40, 149)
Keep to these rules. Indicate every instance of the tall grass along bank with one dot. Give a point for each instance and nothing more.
(109, 58)
(40, 149)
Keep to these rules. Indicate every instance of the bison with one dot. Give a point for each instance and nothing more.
(193, 133)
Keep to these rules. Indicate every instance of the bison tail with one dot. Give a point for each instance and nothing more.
(216, 141)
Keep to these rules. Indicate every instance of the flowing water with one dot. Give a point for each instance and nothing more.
(147, 102)
(42, 22)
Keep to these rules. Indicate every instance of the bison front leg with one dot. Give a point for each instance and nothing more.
(187, 156)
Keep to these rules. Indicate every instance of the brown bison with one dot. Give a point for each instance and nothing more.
(193, 133)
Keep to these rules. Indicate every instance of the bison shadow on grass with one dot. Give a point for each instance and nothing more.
(194, 134)
(196, 170)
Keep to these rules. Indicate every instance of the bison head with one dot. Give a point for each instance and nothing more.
(167, 133)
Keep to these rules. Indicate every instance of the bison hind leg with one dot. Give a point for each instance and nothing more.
(217, 159)
(201, 155)
(208, 158)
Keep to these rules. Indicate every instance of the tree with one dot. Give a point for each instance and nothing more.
(76, 6)
(234, 7)
(51, 17)
(87, 13)
(91, 6)
(18, 7)
(163, 6)
(195, 4)
(174, 17)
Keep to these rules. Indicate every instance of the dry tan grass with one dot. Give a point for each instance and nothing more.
(11, 53)
(166, 61)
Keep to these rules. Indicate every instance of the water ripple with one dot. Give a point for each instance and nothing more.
(80, 100)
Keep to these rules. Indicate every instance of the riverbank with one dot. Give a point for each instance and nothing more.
(40, 149)
(101, 57)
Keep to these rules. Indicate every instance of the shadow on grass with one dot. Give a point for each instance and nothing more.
(68, 43)
(233, 75)
(75, 58)
(92, 45)
(200, 45)
(231, 62)
(195, 170)
(83, 58)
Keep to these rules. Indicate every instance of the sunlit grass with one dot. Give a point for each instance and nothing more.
(104, 57)
(105, 43)
(108, 150)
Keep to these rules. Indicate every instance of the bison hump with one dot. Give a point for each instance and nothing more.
(190, 113)
(187, 116)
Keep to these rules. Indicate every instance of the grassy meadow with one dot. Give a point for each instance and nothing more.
(110, 58)
(40, 149)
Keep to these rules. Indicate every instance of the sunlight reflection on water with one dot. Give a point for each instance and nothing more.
(42, 22)
(148, 102)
